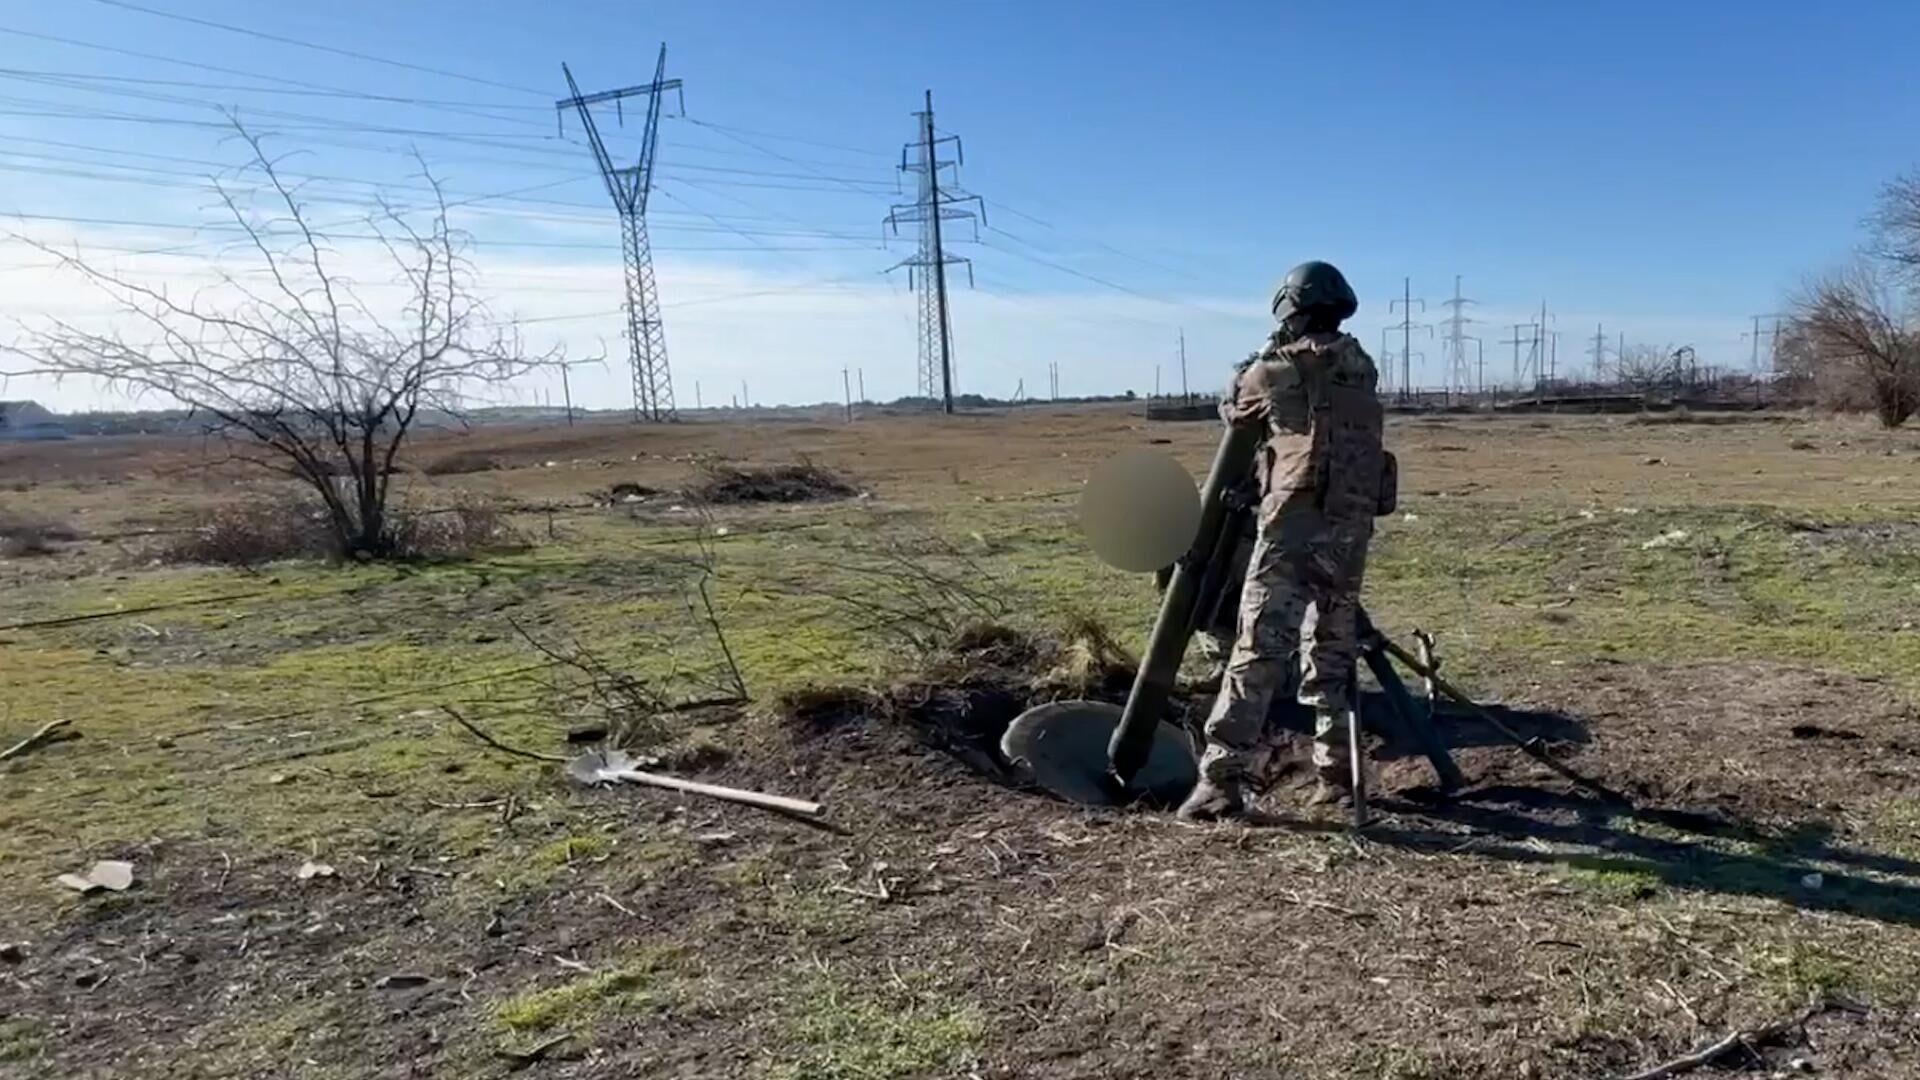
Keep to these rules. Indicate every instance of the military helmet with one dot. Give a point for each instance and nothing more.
(1314, 285)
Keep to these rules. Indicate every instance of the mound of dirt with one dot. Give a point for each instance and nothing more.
(964, 694)
(961, 697)
(802, 482)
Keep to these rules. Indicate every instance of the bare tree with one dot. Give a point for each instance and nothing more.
(295, 369)
(1859, 327)
(1895, 226)
(1643, 367)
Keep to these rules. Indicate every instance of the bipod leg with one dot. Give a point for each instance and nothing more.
(1357, 753)
(1417, 722)
(1532, 747)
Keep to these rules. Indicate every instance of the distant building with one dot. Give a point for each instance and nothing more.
(27, 420)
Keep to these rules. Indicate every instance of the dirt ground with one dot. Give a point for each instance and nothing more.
(1714, 615)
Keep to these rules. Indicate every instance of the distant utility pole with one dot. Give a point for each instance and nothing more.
(746, 399)
(1539, 361)
(1532, 340)
(1156, 380)
(1406, 326)
(933, 205)
(1599, 352)
(566, 387)
(1459, 372)
(1772, 333)
(861, 375)
(846, 386)
(629, 187)
(1185, 394)
(696, 394)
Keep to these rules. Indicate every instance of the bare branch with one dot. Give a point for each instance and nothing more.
(327, 389)
(1854, 325)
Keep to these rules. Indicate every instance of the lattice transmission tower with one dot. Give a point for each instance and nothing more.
(935, 203)
(629, 187)
(1460, 370)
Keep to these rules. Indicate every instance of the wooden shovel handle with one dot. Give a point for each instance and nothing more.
(716, 791)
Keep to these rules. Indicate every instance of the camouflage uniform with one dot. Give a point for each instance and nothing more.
(1325, 475)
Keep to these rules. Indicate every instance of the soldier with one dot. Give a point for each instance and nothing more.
(1324, 476)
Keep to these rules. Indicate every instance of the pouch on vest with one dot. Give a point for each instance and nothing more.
(1389, 484)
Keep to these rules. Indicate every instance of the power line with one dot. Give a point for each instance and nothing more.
(725, 128)
(773, 153)
(369, 57)
(217, 69)
(297, 89)
(464, 198)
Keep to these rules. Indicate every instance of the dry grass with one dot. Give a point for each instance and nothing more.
(958, 926)
(275, 528)
(26, 537)
(803, 482)
(462, 462)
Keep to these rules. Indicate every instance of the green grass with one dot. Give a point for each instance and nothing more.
(833, 1032)
(21, 1038)
(642, 981)
(1612, 886)
(1510, 587)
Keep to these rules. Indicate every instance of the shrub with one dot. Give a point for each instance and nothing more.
(253, 532)
(804, 482)
(24, 537)
(460, 462)
(449, 532)
(266, 530)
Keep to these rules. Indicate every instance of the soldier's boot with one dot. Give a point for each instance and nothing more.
(1213, 801)
(1331, 765)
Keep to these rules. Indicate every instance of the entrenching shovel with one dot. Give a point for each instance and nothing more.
(615, 766)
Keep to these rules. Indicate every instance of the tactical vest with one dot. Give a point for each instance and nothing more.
(1325, 431)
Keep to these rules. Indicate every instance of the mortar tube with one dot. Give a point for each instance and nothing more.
(1133, 738)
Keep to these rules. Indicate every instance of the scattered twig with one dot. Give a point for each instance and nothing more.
(1679, 999)
(418, 691)
(429, 871)
(483, 804)
(720, 636)
(1293, 896)
(1748, 1038)
(880, 893)
(49, 732)
(497, 744)
(561, 960)
(226, 868)
(522, 1058)
(618, 906)
(67, 620)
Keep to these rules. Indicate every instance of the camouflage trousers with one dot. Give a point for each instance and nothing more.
(1302, 595)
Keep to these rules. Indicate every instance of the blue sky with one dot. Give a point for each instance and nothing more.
(1664, 170)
